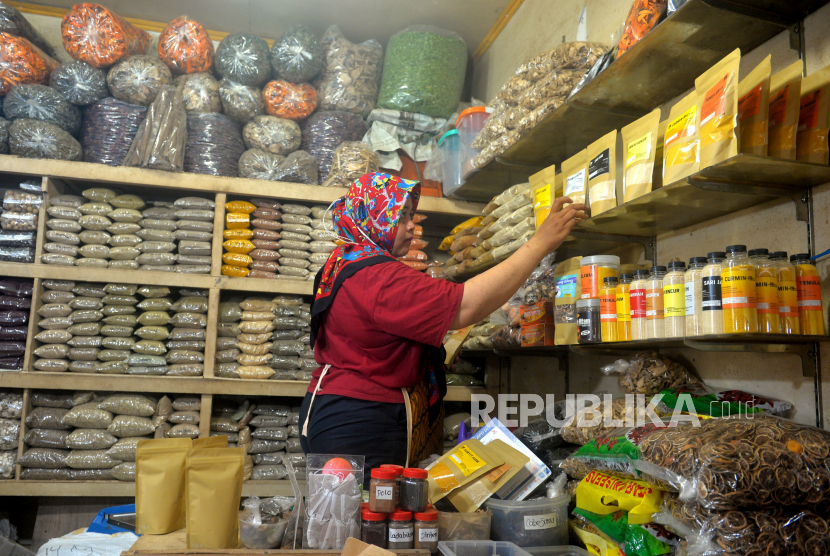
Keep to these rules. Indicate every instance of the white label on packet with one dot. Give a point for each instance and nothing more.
(690, 299)
(428, 535)
(401, 535)
(538, 522)
(384, 493)
(575, 183)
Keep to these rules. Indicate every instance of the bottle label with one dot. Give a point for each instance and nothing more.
(766, 290)
(608, 306)
(623, 306)
(674, 300)
(654, 304)
(690, 299)
(384, 493)
(788, 298)
(738, 287)
(539, 522)
(711, 298)
(427, 535)
(638, 304)
(809, 293)
(401, 535)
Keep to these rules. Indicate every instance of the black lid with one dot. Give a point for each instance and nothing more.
(627, 276)
(799, 256)
(753, 252)
(658, 269)
(736, 248)
(697, 260)
(610, 280)
(716, 255)
(679, 265)
(639, 273)
(778, 255)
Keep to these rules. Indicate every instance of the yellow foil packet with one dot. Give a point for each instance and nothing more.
(603, 494)
(463, 464)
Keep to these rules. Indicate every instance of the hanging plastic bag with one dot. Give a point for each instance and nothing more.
(298, 56)
(185, 46)
(350, 77)
(95, 35)
(23, 63)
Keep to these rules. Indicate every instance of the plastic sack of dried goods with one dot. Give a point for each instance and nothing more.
(17, 254)
(40, 102)
(14, 23)
(37, 139)
(160, 140)
(266, 446)
(90, 459)
(423, 71)
(350, 77)
(9, 434)
(44, 458)
(96, 35)
(200, 93)
(298, 167)
(243, 58)
(254, 372)
(130, 425)
(183, 431)
(4, 135)
(79, 83)
(649, 374)
(88, 416)
(45, 438)
(351, 160)
(272, 134)
(124, 472)
(17, 239)
(702, 399)
(128, 404)
(11, 405)
(241, 103)
(47, 418)
(214, 145)
(138, 79)
(584, 427)
(642, 18)
(268, 473)
(297, 56)
(323, 132)
(289, 101)
(186, 47)
(24, 63)
(90, 439)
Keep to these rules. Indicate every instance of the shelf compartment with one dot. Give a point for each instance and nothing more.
(122, 488)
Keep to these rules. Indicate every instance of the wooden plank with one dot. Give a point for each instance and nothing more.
(28, 357)
(50, 188)
(491, 36)
(211, 331)
(204, 415)
(21, 447)
(120, 488)
(218, 230)
(290, 287)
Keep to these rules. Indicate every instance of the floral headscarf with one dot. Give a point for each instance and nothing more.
(367, 220)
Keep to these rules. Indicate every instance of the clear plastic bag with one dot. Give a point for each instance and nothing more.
(129, 425)
(289, 101)
(40, 102)
(47, 418)
(214, 145)
(90, 459)
(79, 83)
(18, 254)
(240, 102)
(195, 226)
(44, 458)
(187, 334)
(14, 23)
(350, 77)
(37, 139)
(298, 56)
(351, 160)
(649, 374)
(266, 446)
(90, 439)
(25, 63)
(243, 58)
(20, 240)
(46, 438)
(159, 142)
(183, 431)
(186, 47)
(194, 248)
(138, 79)
(100, 37)
(323, 132)
(272, 134)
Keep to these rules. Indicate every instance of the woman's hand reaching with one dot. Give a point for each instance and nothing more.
(559, 223)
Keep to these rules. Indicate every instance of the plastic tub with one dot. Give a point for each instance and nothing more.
(456, 526)
(450, 145)
(479, 548)
(264, 536)
(556, 551)
(594, 271)
(469, 124)
(530, 523)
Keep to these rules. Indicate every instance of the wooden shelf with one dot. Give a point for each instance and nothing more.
(121, 488)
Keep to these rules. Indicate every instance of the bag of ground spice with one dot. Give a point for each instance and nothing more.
(159, 143)
(350, 77)
(95, 35)
(462, 465)
(717, 96)
(681, 149)
(602, 173)
(423, 71)
(23, 63)
(185, 46)
(784, 99)
(639, 143)
(813, 118)
(753, 109)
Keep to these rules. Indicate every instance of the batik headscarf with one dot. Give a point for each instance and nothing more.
(366, 219)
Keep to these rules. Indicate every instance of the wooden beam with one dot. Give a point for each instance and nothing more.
(491, 36)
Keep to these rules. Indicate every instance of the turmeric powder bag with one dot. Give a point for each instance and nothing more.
(639, 141)
(784, 102)
(814, 118)
(214, 490)
(160, 485)
(681, 147)
(463, 464)
(753, 109)
(717, 96)
(601, 156)
(575, 176)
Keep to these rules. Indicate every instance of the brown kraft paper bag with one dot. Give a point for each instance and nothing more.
(639, 144)
(463, 464)
(160, 485)
(784, 101)
(681, 149)
(814, 118)
(601, 156)
(568, 290)
(717, 92)
(214, 486)
(753, 109)
(575, 177)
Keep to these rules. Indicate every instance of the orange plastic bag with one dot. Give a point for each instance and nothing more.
(418, 244)
(416, 265)
(235, 220)
(185, 46)
(95, 35)
(240, 206)
(418, 218)
(239, 246)
(418, 232)
(238, 233)
(415, 255)
(642, 18)
(237, 259)
(288, 100)
(23, 63)
(238, 272)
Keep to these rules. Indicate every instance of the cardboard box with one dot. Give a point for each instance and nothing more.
(537, 313)
(524, 482)
(538, 335)
(354, 547)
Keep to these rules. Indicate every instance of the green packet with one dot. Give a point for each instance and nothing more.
(703, 400)
(649, 539)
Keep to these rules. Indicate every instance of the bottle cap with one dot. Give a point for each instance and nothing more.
(415, 473)
(398, 468)
(754, 252)
(400, 515)
(716, 255)
(800, 256)
(627, 276)
(368, 515)
(380, 473)
(697, 260)
(427, 515)
(610, 280)
(736, 248)
(677, 265)
(658, 269)
(641, 273)
(778, 255)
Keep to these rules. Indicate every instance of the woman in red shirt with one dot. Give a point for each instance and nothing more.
(377, 326)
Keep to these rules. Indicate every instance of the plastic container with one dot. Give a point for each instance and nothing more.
(766, 291)
(469, 124)
(594, 270)
(654, 303)
(808, 282)
(480, 548)
(382, 491)
(694, 296)
(637, 299)
(414, 492)
(401, 530)
(457, 525)
(674, 301)
(624, 308)
(787, 294)
(556, 551)
(426, 530)
(262, 536)
(740, 312)
(530, 523)
(608, 309)
(588, 321)
(373, 527)
(451, 160)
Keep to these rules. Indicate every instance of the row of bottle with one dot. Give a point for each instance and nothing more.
(725, 292)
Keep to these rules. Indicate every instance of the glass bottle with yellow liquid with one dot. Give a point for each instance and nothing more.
(740, 313)
(809, 295)
(624, 308)
(608, 309)
(766, 291)
(787, 294)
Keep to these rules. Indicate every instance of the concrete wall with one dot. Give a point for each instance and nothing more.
(542, 24)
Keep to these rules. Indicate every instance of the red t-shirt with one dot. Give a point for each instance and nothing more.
(374, 332)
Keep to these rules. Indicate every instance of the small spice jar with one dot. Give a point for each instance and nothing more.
(787, 294)
(694, 296)
(414, 490)
(401, 531)
(593, 272)
(588, 321)
(637, 298)
(624, 308)
(382, 491)
(608, 309)
(712, 294)
(398, 469)
(426, 530)
(766, 291)
(740, 310)
(674, 301)
(654, 303)
(808, 284)
(373, 528)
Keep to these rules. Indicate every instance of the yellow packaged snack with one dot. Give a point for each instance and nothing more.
(681, 156)
(160, 485)
(717, 96)
(814, 118)
(239, 246)
(753, 109)
(595, 542)
(240, 206)
(235, 271)
(601, 156)
(784, 99)
(575, 177)
(235, 220)
(639, 140)
(471, 223)
(603, 494)
(237, 259)
(463, 464)
(239, 233)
